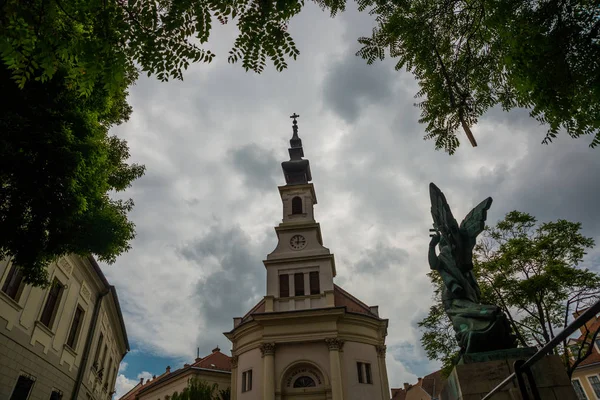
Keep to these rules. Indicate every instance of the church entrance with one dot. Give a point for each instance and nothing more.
(304, 382)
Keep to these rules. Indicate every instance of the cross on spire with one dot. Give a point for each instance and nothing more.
(295, 124)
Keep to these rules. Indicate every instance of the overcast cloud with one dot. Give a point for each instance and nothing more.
(206, 208)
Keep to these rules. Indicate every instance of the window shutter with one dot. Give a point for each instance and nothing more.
(299, 284)
(284, 285)
(75, 327)
(314, 283)
(359, 370)
(51, 303)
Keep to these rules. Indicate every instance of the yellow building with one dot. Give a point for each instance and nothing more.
(586, 378)
(308, 338)
(214, 368)
(62, 342)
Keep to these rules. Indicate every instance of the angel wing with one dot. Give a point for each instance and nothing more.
(443, 220)
(474, 222)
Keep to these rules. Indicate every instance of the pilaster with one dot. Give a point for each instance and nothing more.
(335, 345)
(268, 354)
(383, 376)
(234, 370)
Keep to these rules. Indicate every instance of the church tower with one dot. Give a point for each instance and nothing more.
(307, 339)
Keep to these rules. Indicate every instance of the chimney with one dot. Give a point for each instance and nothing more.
(153, 377)
(420, 381)
(141, 381)
(216, 349)
(406, 386)
(186, 365)
(168, 369)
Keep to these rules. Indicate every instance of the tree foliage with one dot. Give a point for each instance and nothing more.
(471, 55)
(467, 56)
(530, 271)
(104, 39)
(57, 167)
(197, 389)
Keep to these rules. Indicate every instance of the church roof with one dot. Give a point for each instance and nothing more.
(341, 298)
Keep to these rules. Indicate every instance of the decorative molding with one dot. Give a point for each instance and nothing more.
(334, 344)
(381, 349)
(267, 349)
(234, 361)
(65, 266)
(85, 293)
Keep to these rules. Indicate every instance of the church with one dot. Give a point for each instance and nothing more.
(307, 339)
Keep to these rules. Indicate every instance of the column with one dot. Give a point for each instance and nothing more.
(335, 345)
(385, 386)
(268, 354)
(234, 386)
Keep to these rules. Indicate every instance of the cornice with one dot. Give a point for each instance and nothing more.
(342, 330)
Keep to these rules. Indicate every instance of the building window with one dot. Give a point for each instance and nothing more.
(75, 328)
(284, 285)
(595, 383)
(102, 360)
(56, 395)
(109, 375)
(299, 284)
(364, 372)
(578, 389)
(98, 348)
(247, 380)
(296, 205)
(304, 381)
(13, 285)
(23, 387)
(52, 302)
(314, 282)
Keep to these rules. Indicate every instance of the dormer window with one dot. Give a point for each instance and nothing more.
(297, 205)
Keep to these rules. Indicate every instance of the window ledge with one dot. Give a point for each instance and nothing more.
(44, 328)
(306, 296)
(11, 302)
(70, 350)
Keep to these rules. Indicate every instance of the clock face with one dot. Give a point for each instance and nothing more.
(297, 242)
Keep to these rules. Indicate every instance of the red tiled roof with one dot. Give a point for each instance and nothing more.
(594, 357)
(257, 309)
(433, 383)
(342, 298)
(398, 394)
(215, 360)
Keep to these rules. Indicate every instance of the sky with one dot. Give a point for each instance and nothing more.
(206, 208)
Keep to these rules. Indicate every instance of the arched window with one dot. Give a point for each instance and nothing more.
(304, 381)
(296, 205)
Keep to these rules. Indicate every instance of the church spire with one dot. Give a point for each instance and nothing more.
(296, 170)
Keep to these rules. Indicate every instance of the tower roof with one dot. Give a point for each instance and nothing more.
(296, 170)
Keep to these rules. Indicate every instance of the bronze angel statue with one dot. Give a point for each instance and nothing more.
(479, 327)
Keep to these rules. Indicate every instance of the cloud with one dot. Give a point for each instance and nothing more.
(257, 165)
(234, 284)
(122, 366)
(206, 208)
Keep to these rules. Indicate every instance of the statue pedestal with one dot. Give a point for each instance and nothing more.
(477, 374)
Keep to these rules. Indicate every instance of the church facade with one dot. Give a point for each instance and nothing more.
(307, 339)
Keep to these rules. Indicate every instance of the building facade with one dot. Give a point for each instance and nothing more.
(64, 341)
(215, 368)
(307, 338)
(586, 377)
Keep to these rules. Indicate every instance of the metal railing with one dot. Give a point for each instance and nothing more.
(524, 367)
